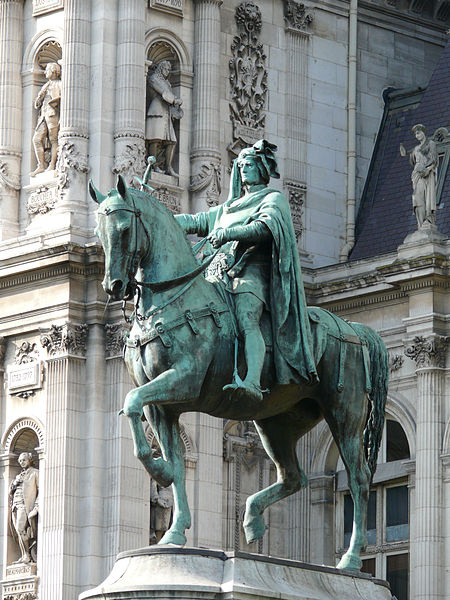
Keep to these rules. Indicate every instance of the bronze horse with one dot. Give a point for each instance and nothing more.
(179, 355)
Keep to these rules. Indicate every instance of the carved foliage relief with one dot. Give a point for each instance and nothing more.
(65, 339)
(248, 76)
(296, 15)
(428, 352)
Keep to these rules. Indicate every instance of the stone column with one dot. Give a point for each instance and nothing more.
(11, 34)
(429, 356)
(130, 90)
(205, 154)
(127, 484)
(60, 524)
(74, 120)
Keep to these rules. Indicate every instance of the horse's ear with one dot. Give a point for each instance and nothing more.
(95, 194)
(122, 187)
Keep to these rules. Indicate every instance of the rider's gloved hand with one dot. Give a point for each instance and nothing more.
(217, 237)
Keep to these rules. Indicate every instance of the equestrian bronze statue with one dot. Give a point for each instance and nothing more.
(231, 336)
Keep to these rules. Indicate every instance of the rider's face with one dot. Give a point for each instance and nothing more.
(250, 174)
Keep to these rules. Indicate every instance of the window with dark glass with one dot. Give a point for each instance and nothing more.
(397, 575)
(397, 513)
(397, 447)
(368, 566)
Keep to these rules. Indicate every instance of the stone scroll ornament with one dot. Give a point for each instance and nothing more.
(248, 78)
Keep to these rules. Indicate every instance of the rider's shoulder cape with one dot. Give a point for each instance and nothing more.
(292, 338)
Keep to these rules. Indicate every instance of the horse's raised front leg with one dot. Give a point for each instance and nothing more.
(169, 387)
(279, 436)
(167, 431)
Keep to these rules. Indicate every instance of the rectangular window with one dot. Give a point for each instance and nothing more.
(397, 513)
(371, 519)
(368, 566)
(397, 575)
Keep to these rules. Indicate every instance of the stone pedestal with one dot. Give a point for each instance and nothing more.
(195, 573)
(20, 582)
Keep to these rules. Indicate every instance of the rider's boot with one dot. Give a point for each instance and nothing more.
(255, 351)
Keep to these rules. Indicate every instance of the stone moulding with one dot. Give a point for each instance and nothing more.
(65, 339)
(428, 352)
(17, 426)
(248, 78)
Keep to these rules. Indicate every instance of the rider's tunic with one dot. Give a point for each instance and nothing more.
(271, 271)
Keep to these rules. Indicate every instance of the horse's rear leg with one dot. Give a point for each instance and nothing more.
(351, 447)
(279, 436)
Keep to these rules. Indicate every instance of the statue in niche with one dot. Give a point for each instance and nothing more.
(23, 495)
(161, 505)
(424, 158)
(164, 107)
(46, 133)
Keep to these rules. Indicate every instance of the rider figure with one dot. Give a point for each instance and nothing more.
(255, 232)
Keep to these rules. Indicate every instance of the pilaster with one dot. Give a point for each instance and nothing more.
(205, 153)
(127, 484)
(60, 513)
(429, 355)
(11, 34)
(130, 90)
(73, 141)
(322, 522)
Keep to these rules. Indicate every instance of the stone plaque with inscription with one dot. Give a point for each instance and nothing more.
(170, 6)
(44, 6)
(24, 377)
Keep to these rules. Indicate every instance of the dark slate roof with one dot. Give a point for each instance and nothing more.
(385, 215)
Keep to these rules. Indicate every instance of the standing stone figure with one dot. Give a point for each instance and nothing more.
(23, 494)
(161, 504)
(164, 107)
(47, 127)
(260, 264)
(425, 160)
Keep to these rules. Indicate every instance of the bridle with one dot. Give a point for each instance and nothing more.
(135, 286)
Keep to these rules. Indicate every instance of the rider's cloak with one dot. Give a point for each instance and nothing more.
(292, 340)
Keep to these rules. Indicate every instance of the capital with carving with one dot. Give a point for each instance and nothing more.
(428, 352)
(65, 339)
(296, 16)
(115, 339)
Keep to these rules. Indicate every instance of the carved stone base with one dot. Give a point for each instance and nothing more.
(42, 193)
(20, 583)
(427, 235)
(195, 573)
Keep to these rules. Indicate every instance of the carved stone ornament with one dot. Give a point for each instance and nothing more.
(44, 6)
(428, 352)
(170, 6)
(296, 16)
(209, 176)
(115, 339)
(131, 161)
(2, 351)
(70, 159)
(296, 196)
(396, 362)
(248, 78)
(6, 179)
(42, 200)
(170, 199)
(65, 339)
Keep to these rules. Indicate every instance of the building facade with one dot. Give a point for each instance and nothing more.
(100, 86)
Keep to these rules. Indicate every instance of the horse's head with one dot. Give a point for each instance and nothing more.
(123, 241)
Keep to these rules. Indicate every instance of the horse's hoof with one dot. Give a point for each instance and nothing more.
(174, 538)
(350, 562)
(254, 529)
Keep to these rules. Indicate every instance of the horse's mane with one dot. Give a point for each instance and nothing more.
(144, 198)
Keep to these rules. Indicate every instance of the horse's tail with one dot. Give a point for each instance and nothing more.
(379, 378)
